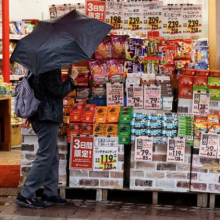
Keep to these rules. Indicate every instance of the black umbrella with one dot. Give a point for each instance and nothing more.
(59, 42)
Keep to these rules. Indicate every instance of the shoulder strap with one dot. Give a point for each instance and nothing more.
(28, 74)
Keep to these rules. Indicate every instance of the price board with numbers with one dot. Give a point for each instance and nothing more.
(209, 144)
(200, 103)
(96, 9)
(81, 152)
(172, 20)
(133, 16)
(152, 16)
(135, 96)
(114, 14)
(192, 19)
(105, 154)
(143, 148)
(115, 94)
(152, 97)
(176, 149)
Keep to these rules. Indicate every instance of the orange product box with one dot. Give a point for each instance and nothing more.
(113, 114)
(101, 114)
(62, 129)
(68, 101)
(66, 119)
(112, 130)
(66, 110)
(99, 129)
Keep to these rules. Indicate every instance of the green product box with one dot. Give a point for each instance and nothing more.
(124, 134)
(199, 88)
(213, 81)
(214, 94)
(125, 115)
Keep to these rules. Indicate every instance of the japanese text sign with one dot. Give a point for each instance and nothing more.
(96, 9)
(115, 94)
(152, 97)
(81, 152)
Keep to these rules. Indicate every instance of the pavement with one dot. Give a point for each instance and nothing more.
(109, 210)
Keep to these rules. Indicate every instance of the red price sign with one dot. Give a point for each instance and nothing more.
(96, 9)
(81, 152)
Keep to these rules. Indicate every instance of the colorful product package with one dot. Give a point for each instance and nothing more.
(97, 66)
(151, 65)
(117, 77)
(68, 101)
(181, 63)
(189, 72)
(124, 134)
(200, 88)
(184, 48)
(82, 93)
(200, 55)
(213, 127)
(118, 44)
(214, 73)
(100, 79)
(112, 130)
(202, 73)
(82, 79)
(198, 66)
(135, 49)
(167, 69)
(153, 47)
(113, 114)
(73, 128)
(66, 110)
(101, 114)
(200, 43)
(186, 92)
(76, 112)
(125, 115)
(214, 94)
(214, 82)
(213, 118)
(99, 129)
(66, 119)
(62, 130)
(98, 92)
(185, 80)
(133, 67)
(86, 129)
(200, 80)
(167, 54)
(104, 50)
(115, 65)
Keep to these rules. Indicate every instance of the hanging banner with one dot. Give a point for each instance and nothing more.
(152, 16)
(209, 144)
(176, 149)
(135, 96)
(152, 96)
(143, 148)
(133, 16)
(105, 154)
(115, 94)
(81, 152)
(200, 103)
(172, 20)
(114, 14)
(192, 19)
(96, 9)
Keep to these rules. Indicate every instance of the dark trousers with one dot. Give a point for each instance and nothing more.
(44, 171)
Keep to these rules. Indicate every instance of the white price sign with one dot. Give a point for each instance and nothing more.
(176, 149)
(209, 144)
(135, 96)
(200, 103)
(192, 19)
(152, 13)
(143, 148)
(152, 97)
(105, 155)
(115, 94)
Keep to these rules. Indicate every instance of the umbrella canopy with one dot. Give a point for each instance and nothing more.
(59, 42)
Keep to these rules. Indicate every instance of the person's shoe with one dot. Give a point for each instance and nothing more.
(53, 200)
(29, 203)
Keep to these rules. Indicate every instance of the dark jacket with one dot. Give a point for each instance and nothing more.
(50, 90)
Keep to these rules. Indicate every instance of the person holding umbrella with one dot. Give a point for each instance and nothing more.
(54, 43)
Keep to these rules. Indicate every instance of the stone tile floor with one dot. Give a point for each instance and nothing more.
(109, 210)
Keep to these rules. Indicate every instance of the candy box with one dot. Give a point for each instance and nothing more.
(214, 82)
(200, 54)
(200, 88)
(186, 92)
(73, 129)
(68, 101)
(86, 129)
(214, 94)
(181, 63)
(82, 79)
(98, 92)
(113, 114)
(99, 129)
(82, 92)
(77, 108)
(66, 110)
(213, 127)
(213, 118)
(62, 129)
(125, 117)
(87, 118)
(185, 80)
(104, 50)
(214, 73)
(201, 80)
(101, 114)
(89, 109)
(124, 134)
(66, 119)
(112, 130)
(202, 73)
(75, 117)
(134, 49)
(97, 66)
(100, 79)
(189, 72)
(151, 65)
(117, 77)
